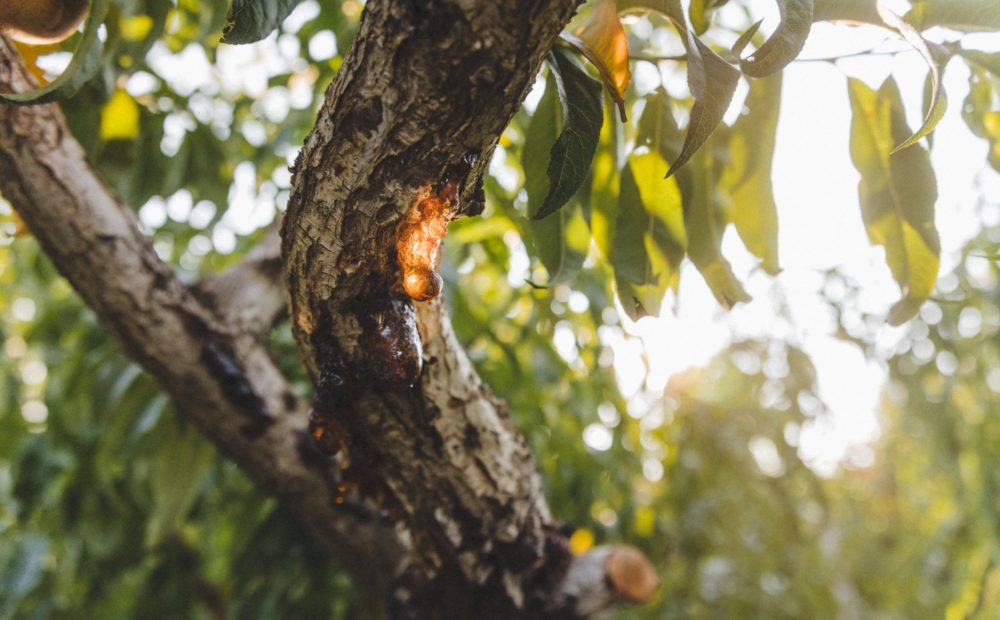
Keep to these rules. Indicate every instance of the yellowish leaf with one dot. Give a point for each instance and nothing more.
(31, 53)
(645, 521)
(136, 28)
(20, 227)
(601, 38)
(120, 117)
(581, 541)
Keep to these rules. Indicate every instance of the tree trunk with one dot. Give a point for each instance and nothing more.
(419, 104)
(426, 495)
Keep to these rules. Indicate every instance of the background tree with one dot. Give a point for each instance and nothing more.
(411, 476)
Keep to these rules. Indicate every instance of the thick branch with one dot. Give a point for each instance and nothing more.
(250, 297)
(221, 378)
(418, 106)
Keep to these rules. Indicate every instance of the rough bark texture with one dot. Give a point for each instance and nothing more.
(419, 103)
(432, 500)
(213, 367)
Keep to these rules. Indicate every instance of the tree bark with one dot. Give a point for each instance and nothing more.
(419, 104)
(209, 359)
(432, 501)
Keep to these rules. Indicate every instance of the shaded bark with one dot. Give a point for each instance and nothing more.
(209, 361)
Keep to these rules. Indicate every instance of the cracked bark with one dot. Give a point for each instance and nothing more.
(420, 100)
(447, 518)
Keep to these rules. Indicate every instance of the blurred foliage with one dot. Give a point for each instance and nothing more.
(112, 506)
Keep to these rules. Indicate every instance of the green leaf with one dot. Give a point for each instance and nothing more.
(862, 11)
(606, 174)
(744, 39)
(897, 194)
(84, 65)
(988, 61)
(180, 467)
(982, 111)
(747, 175)
(24, 570)
(786, 42)
(649, 238)
(939, 101)
(705, 223)
(962, 15)
(669, 8)
(560, 240)
(712, 82)
(657, 128)
(250, 21)
(539, 139)
(582, 114)
(700, 13)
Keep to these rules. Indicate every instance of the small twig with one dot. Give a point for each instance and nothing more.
(870, 52)
(656, 59)
(683, 57)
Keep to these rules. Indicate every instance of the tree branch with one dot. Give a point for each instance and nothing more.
(219, 377)
(418, 107)
(250, 297)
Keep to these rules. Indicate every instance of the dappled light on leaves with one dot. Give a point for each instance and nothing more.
(601, 38)
(785, 44)
(716, 446)
(897, 194)
(120, 117)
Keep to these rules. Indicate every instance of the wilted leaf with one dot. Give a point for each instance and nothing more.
(580, 115)
(602, 40)
(705, 223)
(120, 117)
(786, 42)
(939, 100)
(747, 176)
(250, 21)
(85, 63)
(897, 193)
(649, 238)
(955, 14)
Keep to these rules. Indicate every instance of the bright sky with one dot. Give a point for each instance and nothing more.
(820, 228)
